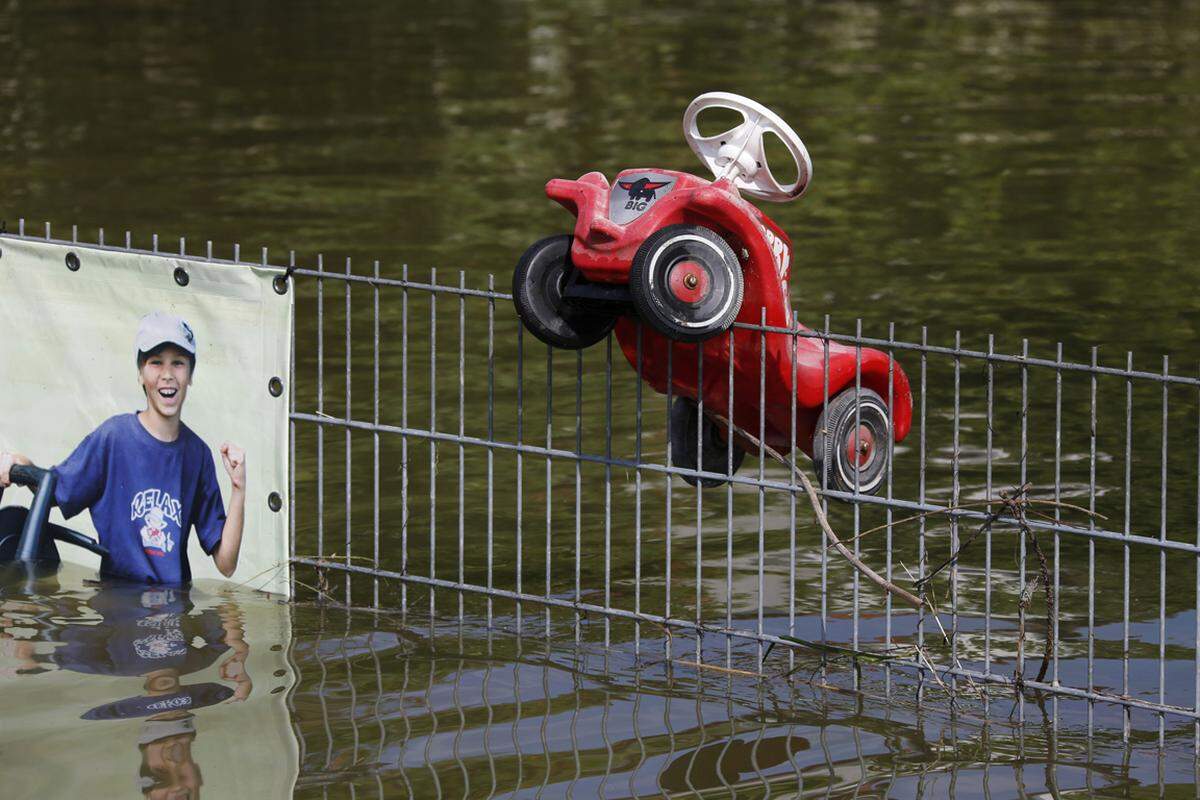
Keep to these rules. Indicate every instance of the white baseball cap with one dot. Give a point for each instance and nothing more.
(158, 328)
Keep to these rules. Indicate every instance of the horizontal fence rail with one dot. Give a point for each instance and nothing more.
(1045, 510)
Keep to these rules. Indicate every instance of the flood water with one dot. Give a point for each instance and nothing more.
(1024, 169)
(224, 692)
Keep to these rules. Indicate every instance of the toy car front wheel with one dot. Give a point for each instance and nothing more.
(685, 419)
(686, 283)
(849, 458)
(538, 283)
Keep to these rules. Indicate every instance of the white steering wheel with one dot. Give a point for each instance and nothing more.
(738, 153)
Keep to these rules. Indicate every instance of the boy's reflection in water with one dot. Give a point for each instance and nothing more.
(154, 633)
(168, 769)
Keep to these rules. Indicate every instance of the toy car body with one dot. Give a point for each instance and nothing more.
(693, 258)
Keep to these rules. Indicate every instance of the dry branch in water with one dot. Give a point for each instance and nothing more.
(1016, 503)
(823, 521)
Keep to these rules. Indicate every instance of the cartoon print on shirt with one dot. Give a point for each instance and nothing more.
(156, 508)
(165, 640)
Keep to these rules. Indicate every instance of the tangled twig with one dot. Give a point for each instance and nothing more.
(1016, 503)
(823, 521)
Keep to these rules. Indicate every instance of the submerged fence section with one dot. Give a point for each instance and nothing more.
(445, 709)
(1044, 509)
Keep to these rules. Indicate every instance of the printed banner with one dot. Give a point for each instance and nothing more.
(68, 364)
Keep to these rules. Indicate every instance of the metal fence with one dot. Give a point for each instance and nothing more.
(1048, 509)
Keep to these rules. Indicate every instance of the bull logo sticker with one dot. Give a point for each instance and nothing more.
(642, 188)
(634, 194)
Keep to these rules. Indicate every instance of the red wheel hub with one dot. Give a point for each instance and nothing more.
(688, 282)
(861, 456)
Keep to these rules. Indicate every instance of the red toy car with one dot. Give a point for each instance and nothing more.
(689, 257)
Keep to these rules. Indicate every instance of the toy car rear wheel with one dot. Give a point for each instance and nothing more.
(538, 282)
(686, 283)
(685, 417)
(843, 460)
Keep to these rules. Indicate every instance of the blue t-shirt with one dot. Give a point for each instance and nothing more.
(145, 496)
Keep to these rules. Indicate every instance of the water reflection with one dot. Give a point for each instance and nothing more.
(394, 706)
(151, 666)
(158, 635)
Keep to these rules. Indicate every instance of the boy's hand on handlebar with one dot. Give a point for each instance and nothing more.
(6, 463)
(234, 459)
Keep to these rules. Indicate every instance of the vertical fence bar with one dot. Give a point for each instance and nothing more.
(433, 453)
(921, 478)
(1058, 359)
(349, 416)
(987, 531)
(1127, 712)
(891, 454)
(955, 496)
(824, 480)
(549, 475)
(520, 464)
(1162, 562)
(792, 340)
(1024, 462)
(320, 406)
(857, 507)
(491, 436)
(637, 508)
(762, 492)
(667, 643)
(375, 477)
(578, 483)
(1091, 646)
(404, 476)
(608, 432)
(729, 445)
(462, 417)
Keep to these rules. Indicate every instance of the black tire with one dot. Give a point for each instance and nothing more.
(659, 296)
(538, 283)
(834, 439)
(685, 415)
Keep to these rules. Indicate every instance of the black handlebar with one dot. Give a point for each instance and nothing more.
(42, 482)
(79, 540)
(27, 475)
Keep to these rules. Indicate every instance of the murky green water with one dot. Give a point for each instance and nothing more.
(222, 692)
(1022, 169)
